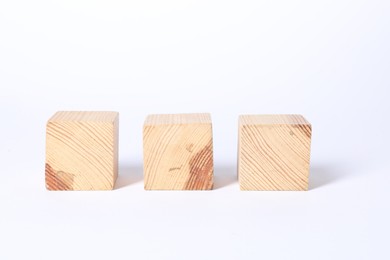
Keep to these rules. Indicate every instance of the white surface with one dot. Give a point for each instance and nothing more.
(327, 60)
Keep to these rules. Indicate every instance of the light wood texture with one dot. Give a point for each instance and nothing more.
(274, 152)
(82, 150)
(178, 152)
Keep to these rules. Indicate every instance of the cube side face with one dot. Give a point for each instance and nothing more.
(178, 157)
(81, 155)
(274, 157)
(115, 137)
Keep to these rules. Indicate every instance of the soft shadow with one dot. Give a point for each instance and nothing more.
(322, 175)
(224, 175)
(129, 174)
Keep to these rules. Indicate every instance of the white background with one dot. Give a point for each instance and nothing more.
(328, 60)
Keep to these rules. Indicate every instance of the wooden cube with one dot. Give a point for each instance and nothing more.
(274, 152)
(178, 152)
(82, 151)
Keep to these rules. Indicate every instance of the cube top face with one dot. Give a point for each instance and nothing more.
(274, 152)
(178, 152)
(257, 120)
(84, 116)
(178, 119)
(82, 151)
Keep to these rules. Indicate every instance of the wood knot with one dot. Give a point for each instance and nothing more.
(190, 147)
(201, 169)
(58, 180)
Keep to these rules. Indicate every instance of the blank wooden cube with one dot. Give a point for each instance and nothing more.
(82, 151)
(274, 152)
(178, 152)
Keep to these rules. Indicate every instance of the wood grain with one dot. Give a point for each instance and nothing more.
(82, 150)
(274, 152)
(178, 152)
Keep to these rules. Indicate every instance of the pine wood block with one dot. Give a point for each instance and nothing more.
(82, 150)
(274, 152)
(178, 152)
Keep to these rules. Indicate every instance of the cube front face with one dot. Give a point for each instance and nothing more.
(82, 155)
(178, 156)
(274, 155)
